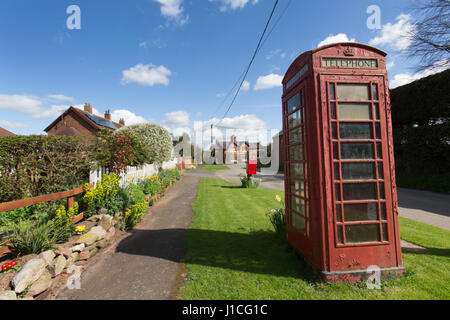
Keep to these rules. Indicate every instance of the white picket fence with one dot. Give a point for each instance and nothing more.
(133, 174)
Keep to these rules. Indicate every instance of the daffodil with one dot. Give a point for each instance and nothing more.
(277, 197)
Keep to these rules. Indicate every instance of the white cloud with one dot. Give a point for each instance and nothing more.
(244, 127)
(340, 37)
(405, 78)
(221, 95)
(268, 82)
(60, 97)
(12, 125)
(147, 75)
(20, 103)
(143, 44)
(245, 85)
(396, 35)
(129, 117)
(177, 123)
(234, 4)
(389, 65)
(57, 110)
(177, 119)
(173, 10)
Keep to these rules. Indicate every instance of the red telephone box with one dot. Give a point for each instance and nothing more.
(341, 200)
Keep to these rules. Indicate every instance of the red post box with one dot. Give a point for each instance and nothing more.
(251, 167)
(341, 199)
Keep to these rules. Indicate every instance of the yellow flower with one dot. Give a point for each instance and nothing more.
(278, 198)
(80, 228)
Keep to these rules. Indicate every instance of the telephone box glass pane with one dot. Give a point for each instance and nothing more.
(339, 234)
(385, 232)
(298, 205)
(295, 136)
(357, 150)
(374, 92)
(360, 191)
(338, 213)
(297, 188)
(297, 170)
(354, 111)
(358, 171)
(295, 153)
(299, 223)
(294, 120)
(353, 92)
(360, 212)
(362, 233)
(294, 103)
(355, 130)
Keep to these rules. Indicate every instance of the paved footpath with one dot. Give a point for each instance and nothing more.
(146, 264)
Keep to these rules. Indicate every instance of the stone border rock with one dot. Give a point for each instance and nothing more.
(43, 272)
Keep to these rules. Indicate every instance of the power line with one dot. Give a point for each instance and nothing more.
(242, 74)
(251, 61)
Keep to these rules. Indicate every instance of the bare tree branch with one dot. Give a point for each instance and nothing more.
(430, 36)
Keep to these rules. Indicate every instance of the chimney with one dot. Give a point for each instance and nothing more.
(122, 121)
(88, 108)
(108, 115)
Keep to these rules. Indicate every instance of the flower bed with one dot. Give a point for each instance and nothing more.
(54, 245)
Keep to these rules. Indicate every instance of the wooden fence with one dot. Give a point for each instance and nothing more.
(69, 195)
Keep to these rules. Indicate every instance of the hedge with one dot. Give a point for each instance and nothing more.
(35, 165)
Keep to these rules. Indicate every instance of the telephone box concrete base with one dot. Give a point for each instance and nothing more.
(353, 276)
(348, 276)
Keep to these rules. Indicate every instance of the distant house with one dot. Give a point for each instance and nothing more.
(233, 151)
(6, 133)
(77, 122)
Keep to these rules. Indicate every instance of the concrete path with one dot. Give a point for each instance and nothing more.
(145, 265)
(423, 206)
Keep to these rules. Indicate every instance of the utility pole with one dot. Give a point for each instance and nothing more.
(211, 135)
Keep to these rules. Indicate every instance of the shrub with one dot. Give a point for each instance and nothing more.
(118, 150)
(278, 217)
(35, 165)
(150, 185)
(41, 212)
(169, 176)
(103, 196)
(248, 182)
(135, 195)
(66, 216)
(134, 215)
(35, 237)
(154, 139)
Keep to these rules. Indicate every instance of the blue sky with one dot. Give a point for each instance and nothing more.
(172, 61)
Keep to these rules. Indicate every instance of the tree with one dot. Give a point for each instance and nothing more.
(114, 151)
(431, 34)
(154, 139)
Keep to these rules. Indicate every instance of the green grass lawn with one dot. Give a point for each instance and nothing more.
(234, 253)
(214, 167)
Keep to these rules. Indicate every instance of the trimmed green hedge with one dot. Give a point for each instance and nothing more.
(35, 165)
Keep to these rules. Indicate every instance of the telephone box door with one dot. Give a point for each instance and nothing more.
(360, 170)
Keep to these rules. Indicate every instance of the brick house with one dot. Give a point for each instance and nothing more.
(233, 151)
(77, 122)
(6, 133)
